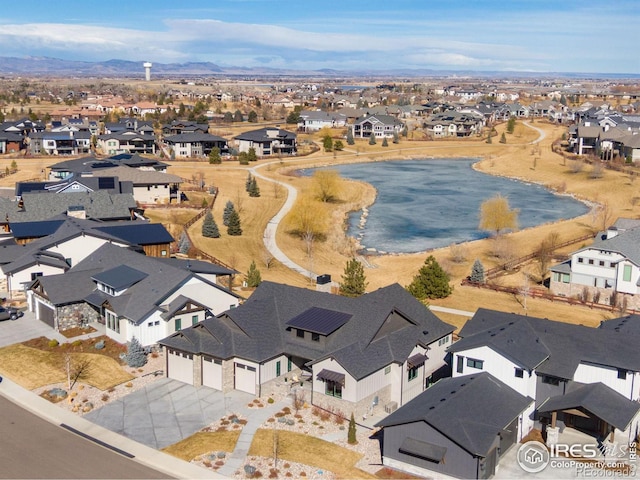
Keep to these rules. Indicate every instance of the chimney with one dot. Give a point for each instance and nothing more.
(324, 283)
(612, 232)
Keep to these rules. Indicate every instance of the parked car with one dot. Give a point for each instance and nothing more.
(12, 313)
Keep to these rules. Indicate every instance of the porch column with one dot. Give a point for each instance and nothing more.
(553, 432)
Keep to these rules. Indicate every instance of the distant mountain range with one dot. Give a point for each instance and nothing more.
(47, 66)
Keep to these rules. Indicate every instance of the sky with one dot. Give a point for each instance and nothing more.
(351, 35)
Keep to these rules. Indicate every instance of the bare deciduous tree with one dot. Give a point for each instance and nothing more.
(76, 367)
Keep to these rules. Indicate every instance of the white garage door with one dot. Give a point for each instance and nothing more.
(180, 366)
(212, 373)
(245, 378)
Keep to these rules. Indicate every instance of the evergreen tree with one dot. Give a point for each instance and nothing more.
(338, 146)
(430, 282)
(136, 357)
(254, 190)
(247, 183)
(251, 155)
(327, 143)
(184, 244)
(243, 157)
(253, 117)
(237, 116)
(214, 156)
(351, 435)
(350, 140)
(396, 137)
(511, 124)
(353, 280)
(503, 138)
(372, 139)
(253, 276)
(405, 131)
(384, 142)
(228, 208)
(209, 226)
(489, 138)
(234, 228)
(477, 272)
(228, 117)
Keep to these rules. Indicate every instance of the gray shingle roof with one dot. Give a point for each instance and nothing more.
(600, 400)
(258, 330)
(262, 135)
(470, 410)
(525, 340)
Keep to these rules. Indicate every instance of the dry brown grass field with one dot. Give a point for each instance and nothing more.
(518, 158)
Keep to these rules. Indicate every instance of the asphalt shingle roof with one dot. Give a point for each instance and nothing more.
(470, 410)
(258, 329)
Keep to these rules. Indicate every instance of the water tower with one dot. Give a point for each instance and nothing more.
(147, 70)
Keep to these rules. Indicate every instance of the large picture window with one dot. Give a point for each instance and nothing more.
(626, 273)
(112, 321)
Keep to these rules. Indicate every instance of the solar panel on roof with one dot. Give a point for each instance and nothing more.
(106, 183)
(319, 320)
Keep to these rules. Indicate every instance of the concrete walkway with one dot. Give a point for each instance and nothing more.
(255, 418)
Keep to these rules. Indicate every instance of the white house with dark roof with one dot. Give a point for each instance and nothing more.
(607, 271)
(132, 294)
(268, 141)
(379, 125)
(460, 427)
(548, 360)
(364, 354)
(315, 120)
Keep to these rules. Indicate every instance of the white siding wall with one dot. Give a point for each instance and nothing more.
(268, 369)
(349, 390)
(584, 273)
(78, 248)
(627, 286)
(498, 366)
(414, 387)
(373, 383)
(17, 280)
(152, 194)
(437, 352)
(588, 373)
(146, 335)
(215, 299)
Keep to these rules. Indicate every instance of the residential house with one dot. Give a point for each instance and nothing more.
(132, 294)
(268, 141)
(149, 186)
(85, 166)
(54, 246)
(69, 142)
(376, 351)
(178, 127)
(454, 124)
(460, 427)
(574, 373)
(127, 142)
(607, 271)
(315, 120)
(379, 125)
(190, 145)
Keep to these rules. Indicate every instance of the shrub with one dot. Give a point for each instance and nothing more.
(53, 343)
(286, 410)
(104, 397)
(351, 436)
(135, 354)
(270, 400)
(76, 343)
(128, 385)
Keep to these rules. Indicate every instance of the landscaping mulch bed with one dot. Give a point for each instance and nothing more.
(77, 331)
(111, 348)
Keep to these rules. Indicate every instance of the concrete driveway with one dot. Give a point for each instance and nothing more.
(25, 328)
(166, 412)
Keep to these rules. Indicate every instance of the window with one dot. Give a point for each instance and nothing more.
(156, 323)
(35, 275)
(473, 363)
(549, 380)
(112, 322)
(601, 263)
(178, 324)
(150, 324)
(443, 340)
(566, 278)
(163, 253)
(626, 274)
(299, 333)
(622, 374)
(412, 373)
(580, 260)
(315, 337)
(387, 370)
(591, 261)
(278, 368)
(289, 364)
(519, 372)
(194, 319)
(460, 365)
(333, 389)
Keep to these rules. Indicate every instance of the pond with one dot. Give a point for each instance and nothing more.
(432, 203)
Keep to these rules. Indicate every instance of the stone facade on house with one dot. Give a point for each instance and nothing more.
(76, 315)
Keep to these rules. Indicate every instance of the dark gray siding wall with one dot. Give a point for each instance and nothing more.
(545, 390)
(457, 462)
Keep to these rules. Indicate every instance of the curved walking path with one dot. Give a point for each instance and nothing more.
(269, 235)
